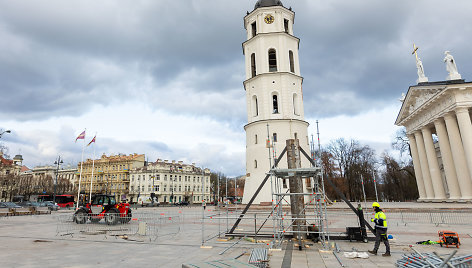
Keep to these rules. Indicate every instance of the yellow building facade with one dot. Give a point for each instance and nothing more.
(110, 175)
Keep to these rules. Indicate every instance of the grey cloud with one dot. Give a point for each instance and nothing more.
(63, 58)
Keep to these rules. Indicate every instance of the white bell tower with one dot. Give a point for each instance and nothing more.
(274, 93)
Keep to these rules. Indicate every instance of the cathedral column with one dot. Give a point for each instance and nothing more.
(417, 167)
(446, 154)
(434, 171)
(424, 165)
(465, 126)
(458, 155)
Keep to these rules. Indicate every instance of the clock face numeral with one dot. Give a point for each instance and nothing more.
(269, 19)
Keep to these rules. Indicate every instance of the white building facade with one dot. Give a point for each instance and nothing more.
(171, 182)
(437, 116)
(273, 93)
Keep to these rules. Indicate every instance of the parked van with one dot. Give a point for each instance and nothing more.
(147, 201)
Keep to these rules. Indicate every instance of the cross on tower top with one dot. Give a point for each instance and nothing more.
(415, 48)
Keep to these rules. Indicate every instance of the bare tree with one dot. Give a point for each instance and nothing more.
(399, 183)
(354, 163)
(401, 142)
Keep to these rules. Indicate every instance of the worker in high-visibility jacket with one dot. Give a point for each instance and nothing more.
(380, 221)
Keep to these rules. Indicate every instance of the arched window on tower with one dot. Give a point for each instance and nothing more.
(295, 104)
(292, 66)
(254, 29)
(272, 60)
(255, 163)
(255, 106)
(275, 104)
(253, 64)
(286, 25)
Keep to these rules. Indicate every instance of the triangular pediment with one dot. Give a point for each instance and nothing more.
(414, 99)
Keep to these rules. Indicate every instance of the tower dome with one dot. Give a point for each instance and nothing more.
(268, 3)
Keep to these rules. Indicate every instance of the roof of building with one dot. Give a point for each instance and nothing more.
(268, 3)
(24, 168)
(4, 161)
(119, 157)
(18, 157)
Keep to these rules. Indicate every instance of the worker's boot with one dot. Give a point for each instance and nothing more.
(373, 252)
(386, 254)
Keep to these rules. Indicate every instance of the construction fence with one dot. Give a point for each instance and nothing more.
(141, 226)
(348, 218)
(213, 223)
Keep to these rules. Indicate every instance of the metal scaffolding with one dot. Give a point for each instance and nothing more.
(311, 222)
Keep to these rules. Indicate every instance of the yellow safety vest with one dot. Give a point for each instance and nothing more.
(380, 220)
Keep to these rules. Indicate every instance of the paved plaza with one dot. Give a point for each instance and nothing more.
(34, 241)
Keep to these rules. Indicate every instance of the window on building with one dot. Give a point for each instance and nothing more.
(132, 188)
(275, 104)
(255, 163)
(284, 182)
(180, 178)
(295, 135)
(255, 106)
(290, 57)
(272, 60)
(253, 65)
(165, 177)
(274, 137)
(295, 105)
(254, 29)
(255, 139)
(286, 25)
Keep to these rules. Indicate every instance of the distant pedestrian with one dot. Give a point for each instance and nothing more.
(380, 221)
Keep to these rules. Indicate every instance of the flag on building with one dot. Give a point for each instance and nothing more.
(81, 136)
(92, 141)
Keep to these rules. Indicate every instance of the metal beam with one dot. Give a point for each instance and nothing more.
(256, 193)
(340, 194)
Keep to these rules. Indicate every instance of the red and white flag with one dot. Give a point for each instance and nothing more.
(92, 141)
(81, 136)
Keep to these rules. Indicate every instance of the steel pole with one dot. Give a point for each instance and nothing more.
(375, 186)
(363, 191)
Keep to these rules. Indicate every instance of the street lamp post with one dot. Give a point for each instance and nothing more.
(6, 131)
(58, 162)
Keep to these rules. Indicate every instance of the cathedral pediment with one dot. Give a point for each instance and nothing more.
(414, 100)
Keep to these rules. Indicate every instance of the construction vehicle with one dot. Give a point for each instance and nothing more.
(103, 207)
(449, 238)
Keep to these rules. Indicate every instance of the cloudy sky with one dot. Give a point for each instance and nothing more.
(164, 77)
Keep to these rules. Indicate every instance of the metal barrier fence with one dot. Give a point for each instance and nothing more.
(140, 227)
(348, 218)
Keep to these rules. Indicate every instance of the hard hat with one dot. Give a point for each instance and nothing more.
(375, 204)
